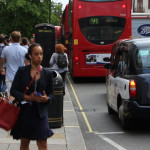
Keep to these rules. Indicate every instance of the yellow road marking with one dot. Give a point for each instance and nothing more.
(78, 102)
(87, 122)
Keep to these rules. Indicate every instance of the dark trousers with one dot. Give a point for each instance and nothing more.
(63, 75)
(2, 83)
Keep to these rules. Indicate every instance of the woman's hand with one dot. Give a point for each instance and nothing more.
(36, 98)
(30, 97)
(42, 98)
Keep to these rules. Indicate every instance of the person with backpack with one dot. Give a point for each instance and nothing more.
(59, 61)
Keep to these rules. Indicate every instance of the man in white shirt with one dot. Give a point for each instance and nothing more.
(14, 57)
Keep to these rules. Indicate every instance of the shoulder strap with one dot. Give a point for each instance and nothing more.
(37, 72)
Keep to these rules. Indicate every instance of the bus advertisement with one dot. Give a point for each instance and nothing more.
(94, 26)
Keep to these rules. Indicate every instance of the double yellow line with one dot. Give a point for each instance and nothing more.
(80, 107)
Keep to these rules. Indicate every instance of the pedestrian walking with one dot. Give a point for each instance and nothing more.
(25, 43)
(2, 74)
(32, 41)
(32, 123)
(54, 61)
(13, 56)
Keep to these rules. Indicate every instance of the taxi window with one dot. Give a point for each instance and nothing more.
(143, 58)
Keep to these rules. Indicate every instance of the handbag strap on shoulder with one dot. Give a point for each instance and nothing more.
(37, 72)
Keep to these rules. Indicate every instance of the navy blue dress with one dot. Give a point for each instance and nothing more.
(29, 124)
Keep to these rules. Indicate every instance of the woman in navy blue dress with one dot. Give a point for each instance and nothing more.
(32, 123)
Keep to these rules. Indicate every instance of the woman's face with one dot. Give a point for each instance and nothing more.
(37, 55)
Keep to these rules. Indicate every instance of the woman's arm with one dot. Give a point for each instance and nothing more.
(67, 59)
(15, 88)
(49, 88)
(52, 60)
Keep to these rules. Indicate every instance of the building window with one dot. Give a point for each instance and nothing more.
(148, 4)
(140, 4)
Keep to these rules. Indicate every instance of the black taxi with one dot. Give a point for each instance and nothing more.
(128, 79)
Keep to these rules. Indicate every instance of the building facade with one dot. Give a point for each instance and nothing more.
(140, 18)
(140, 6)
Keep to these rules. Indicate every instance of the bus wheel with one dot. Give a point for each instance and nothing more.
(75, 79)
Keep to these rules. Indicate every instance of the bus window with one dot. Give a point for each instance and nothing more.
(102, 30)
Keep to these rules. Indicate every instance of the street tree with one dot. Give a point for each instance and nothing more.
(23, 15)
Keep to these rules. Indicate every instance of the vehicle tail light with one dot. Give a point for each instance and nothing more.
(79, 6)
(124, 6)
(76, 58)
(132, 88)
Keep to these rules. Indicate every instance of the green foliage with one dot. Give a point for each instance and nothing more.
(23, 15)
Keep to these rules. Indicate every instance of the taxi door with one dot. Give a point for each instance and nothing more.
(115, 77)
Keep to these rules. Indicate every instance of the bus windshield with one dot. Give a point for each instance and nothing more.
(102, 30)
(100, 0)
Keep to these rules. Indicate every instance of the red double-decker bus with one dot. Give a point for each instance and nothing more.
(57, 34)
(94, 26)
(64, 27)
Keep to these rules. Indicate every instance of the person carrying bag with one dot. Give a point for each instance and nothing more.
(59, 62)
(32, 123)
(9, 111)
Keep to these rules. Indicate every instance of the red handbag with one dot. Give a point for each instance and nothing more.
(8, 111)
(8, 114)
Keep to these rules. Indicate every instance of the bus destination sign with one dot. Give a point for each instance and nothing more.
(94, 21)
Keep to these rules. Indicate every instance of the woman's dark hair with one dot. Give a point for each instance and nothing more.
(32, 46)
(24, 41)
(27, 56)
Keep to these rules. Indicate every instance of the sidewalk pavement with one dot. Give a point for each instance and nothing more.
(68, 137)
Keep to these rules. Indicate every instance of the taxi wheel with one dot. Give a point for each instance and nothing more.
(110, 110)
(124, 121)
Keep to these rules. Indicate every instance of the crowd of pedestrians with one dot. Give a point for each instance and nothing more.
(25, 80)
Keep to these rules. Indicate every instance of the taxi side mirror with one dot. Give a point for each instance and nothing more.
(108, 66)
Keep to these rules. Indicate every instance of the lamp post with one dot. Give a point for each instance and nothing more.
(49, 9)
